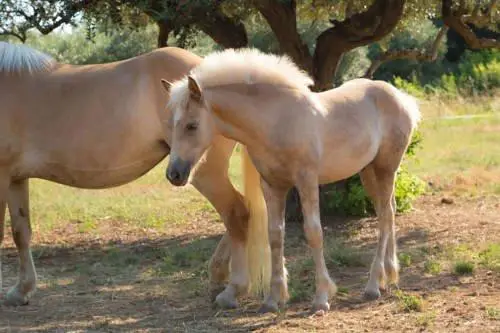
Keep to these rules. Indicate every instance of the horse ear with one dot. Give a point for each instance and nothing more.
(194, 88)
(166, 84)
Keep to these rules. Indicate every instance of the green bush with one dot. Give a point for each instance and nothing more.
(477, 74)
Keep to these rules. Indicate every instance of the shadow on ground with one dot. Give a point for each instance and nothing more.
(161, 284)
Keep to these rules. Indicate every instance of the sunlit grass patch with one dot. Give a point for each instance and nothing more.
(432, 267)
(460, 155)
(404, 259)
(493, 313)
(490, 257)
(408, 302)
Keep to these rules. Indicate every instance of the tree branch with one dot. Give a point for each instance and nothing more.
(358, 30)
(42, 18)
(21, 35)
(457, 20)
(419, 55)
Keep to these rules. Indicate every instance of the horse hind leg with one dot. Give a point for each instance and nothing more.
(212, 181)
(391, 262)
(379, 184)
(218, 267)
(18, 203)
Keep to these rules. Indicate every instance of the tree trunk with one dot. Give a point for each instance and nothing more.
(325, 67)
(224, 30)
(164, 29)
(282, 18)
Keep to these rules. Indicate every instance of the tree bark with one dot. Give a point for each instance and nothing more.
(457, 20)
(282, 18)
(164, 29)
(224, 30)
(358, 30)
(413, 54)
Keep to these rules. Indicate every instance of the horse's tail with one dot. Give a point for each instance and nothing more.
(258, 250)
(409, 104)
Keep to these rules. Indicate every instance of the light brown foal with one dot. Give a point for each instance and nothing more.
(297, 137)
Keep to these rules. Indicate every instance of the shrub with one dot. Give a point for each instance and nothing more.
(463, 268)
(478, 73)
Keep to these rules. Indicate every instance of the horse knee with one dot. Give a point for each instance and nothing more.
(314, 234)
(236, 220)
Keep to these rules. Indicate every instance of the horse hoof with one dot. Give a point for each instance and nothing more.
(215, 291)
(371, 295)
(15, 298)
(320, 308)
(268, 308)
(225, 303)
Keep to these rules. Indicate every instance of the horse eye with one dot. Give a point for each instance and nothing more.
(191, 126)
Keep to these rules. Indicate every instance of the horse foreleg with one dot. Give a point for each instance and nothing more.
(18, 202)
(309, 197)
(212, 180)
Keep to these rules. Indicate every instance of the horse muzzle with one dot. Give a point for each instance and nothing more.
(178, 172)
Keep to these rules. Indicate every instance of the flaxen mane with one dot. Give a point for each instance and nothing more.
(21, 58)
(249, 66)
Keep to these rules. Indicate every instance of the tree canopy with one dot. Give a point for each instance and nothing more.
(346, 24)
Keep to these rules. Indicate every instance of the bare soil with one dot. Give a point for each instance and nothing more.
(142, 280)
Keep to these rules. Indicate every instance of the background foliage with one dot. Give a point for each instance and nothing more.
(106, 31)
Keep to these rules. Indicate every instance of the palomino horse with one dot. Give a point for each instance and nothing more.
(98, 126)
(297, 137)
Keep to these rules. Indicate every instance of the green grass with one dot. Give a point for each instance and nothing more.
(148, 202)
(493, 313)
(432, 267)
(192, 257)
(490, 257)
(460, 154)
(408, 302)
(404, 259)
(342, 255)
(464, 268)
(338, 254)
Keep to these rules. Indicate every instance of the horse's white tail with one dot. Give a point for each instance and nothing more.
(409, 104)
(258, 250)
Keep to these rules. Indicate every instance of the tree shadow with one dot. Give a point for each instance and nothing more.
(162, 284)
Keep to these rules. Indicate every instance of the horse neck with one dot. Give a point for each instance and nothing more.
(239, 117)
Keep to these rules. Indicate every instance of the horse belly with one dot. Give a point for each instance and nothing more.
(343, 163)
(90, 176)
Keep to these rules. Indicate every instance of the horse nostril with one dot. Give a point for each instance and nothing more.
(174, 175)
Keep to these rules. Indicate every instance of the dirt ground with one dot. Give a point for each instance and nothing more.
(140, 280)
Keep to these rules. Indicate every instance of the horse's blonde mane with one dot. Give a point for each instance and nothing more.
(249, 66)
(242, 66)
(21, 58)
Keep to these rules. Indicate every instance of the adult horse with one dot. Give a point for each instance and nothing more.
(297, 137)
(103, 125)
